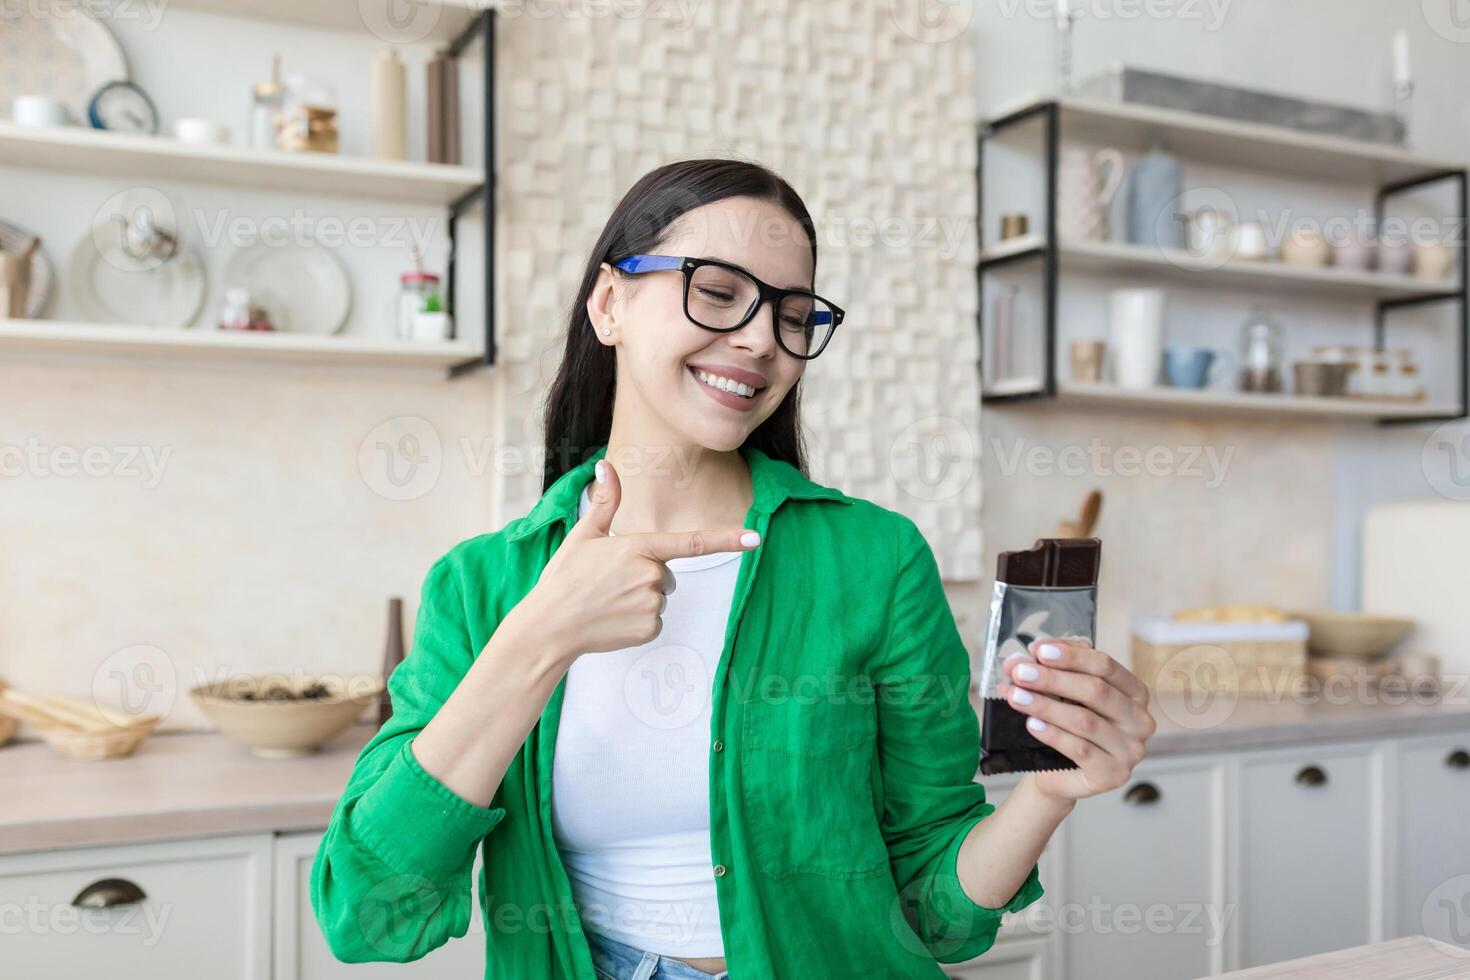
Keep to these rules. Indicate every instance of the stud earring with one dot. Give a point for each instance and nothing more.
(606, 332)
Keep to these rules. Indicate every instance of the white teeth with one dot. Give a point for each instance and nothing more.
(725, 384)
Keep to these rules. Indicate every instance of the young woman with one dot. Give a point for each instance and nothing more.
(698, 712)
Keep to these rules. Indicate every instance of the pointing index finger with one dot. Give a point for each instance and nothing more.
(663, 545)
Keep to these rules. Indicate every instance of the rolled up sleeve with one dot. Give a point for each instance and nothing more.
(391, 879)
(929, 752)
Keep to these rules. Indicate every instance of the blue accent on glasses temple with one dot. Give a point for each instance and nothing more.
(650, 263)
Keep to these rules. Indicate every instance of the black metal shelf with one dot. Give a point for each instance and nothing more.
(1049, 113)
(482, 26)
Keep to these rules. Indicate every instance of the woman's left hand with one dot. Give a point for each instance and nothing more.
(1104, 732)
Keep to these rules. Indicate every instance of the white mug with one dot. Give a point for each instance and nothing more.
(38, 110)
(1136, 336)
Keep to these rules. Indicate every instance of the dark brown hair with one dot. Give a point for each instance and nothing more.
(579, 405)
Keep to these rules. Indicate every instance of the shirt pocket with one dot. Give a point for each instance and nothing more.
(808, 784)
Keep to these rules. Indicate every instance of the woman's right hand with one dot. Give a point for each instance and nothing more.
(606, 592)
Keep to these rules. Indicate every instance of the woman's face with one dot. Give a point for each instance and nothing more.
(665, 363)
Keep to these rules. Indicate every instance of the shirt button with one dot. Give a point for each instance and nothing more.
(719, 871)
(719, 746)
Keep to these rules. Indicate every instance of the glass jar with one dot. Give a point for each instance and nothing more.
(308, 115)
(1407, 384)
(1260, 352)
(416, 289)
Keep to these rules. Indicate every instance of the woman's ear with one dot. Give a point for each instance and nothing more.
(601, 305)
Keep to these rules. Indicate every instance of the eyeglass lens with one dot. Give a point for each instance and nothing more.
(720, 298)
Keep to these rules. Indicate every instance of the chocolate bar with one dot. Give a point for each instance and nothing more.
(1047, 591)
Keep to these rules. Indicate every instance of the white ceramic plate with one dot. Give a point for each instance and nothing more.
(111, 288)
(303, 288)
(62, 52)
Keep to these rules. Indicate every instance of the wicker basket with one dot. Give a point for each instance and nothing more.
(1252, 659)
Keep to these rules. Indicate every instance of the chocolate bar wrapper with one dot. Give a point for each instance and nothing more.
(1023, 611)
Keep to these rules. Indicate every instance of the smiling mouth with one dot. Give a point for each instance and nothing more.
(725, 384)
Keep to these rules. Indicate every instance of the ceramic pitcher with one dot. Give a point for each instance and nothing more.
(1086, 183)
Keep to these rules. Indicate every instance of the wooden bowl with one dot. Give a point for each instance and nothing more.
(1351, 634)
(274, 717)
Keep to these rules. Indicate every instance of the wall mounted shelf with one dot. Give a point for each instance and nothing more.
(1270, 149)
(439, 20)
(1115, 258)
(1225, 402)
(458, 189)
(26, 337)
(91, 151)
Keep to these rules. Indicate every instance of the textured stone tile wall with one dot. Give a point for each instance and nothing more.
(873, 125)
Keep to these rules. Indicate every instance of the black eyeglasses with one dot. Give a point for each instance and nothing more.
(723, 297)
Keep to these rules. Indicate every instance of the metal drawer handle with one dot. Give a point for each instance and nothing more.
(1311, 776)
(1458, 759)
(1143, 794)
(108, 892)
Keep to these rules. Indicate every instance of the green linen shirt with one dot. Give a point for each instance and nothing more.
(843, 754)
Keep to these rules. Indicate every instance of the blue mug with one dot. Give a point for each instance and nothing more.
(1191, 367)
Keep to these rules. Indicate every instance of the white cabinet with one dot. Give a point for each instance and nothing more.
(1307, 839)
(1430, 863)
(140, 912)
(1142, 894)
(1011, 959)
(301, 950)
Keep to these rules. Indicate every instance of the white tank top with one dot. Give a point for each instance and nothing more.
(630, 775)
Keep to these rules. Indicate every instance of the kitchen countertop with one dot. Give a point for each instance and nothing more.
(173, 786)
(1254, 722)
(1410, 958)
(204, 785)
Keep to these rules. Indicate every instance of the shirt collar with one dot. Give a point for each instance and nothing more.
(773, 481)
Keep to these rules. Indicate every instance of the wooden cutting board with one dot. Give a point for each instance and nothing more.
(1416, 563)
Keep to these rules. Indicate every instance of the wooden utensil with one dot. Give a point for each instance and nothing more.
(1086, 519)
(87, 711)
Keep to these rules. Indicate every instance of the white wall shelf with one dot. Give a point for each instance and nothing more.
(428, 20)
(89, 151)
(1119, 259)
(1256, 146)
(22, 337)
(1229, 402)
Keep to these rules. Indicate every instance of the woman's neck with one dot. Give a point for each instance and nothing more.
(678, 487)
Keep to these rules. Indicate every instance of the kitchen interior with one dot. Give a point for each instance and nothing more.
(1186, 276)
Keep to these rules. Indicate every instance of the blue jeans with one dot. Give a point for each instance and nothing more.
(619, 961)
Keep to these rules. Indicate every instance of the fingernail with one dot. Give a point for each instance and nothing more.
(1036, 724)
(1022, 696)
(601, 476)
(1027, 672)
(750, 539)
(1048, 651)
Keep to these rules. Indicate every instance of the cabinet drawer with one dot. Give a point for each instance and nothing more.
(1432, 863)
(1144, 876)
(204, 910)
(1308, 821)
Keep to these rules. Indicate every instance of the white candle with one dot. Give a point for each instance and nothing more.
(1401, 58)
